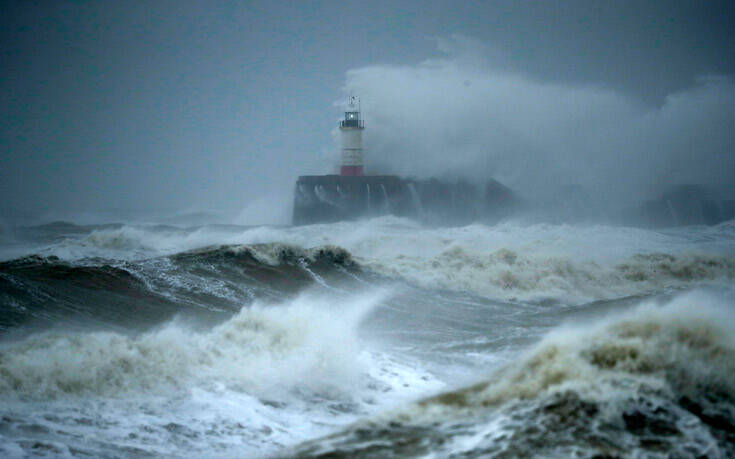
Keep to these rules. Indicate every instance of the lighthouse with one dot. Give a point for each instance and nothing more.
(351, 128)
(351, 194)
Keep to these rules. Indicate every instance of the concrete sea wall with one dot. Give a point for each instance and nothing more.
(328, 198)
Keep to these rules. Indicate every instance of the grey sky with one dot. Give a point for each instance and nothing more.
(197, 105)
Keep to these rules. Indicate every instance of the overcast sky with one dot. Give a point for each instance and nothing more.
(198, 105)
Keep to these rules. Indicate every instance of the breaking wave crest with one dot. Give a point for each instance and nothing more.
(302, 344)
(274, 254)
(509, 261)
(208, 280)
(524, 276)
(687, 345)
(658, 380)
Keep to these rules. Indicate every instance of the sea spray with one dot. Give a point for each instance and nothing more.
(509, 262)
(529, 277)
(223, 380)
(272, 375)
(209, 282)
(658, 379)
(306, 343)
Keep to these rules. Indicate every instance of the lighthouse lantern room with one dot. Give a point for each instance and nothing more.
(351, 128)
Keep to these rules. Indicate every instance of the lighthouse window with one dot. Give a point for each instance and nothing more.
(352, 119)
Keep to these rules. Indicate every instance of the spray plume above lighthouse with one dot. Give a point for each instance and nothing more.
(351, 128)
(352, 194)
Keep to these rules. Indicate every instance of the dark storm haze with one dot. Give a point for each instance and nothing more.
(113, 108)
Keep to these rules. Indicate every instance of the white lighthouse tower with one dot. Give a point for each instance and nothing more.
(351, 128)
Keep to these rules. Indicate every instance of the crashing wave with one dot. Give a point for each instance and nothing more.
(657, 381)
(205, 282)
(509, 261)
(517, 276)
(260, 349)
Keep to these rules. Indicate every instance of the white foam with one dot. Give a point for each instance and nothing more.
(572, 264)
(509, 261)
(686, 347)
(271, 375)
(586, 388)
(260, 347)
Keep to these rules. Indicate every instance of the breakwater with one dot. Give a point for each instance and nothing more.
(329, 198)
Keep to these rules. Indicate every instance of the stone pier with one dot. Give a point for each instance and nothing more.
(329, 198)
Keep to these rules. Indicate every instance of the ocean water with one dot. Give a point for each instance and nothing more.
(374, 338)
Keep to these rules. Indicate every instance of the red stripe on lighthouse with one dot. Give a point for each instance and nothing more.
(350, 171)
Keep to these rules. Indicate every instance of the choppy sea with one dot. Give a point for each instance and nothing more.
(375, 338)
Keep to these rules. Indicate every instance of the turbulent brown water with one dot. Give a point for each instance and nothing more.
(376, 338)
